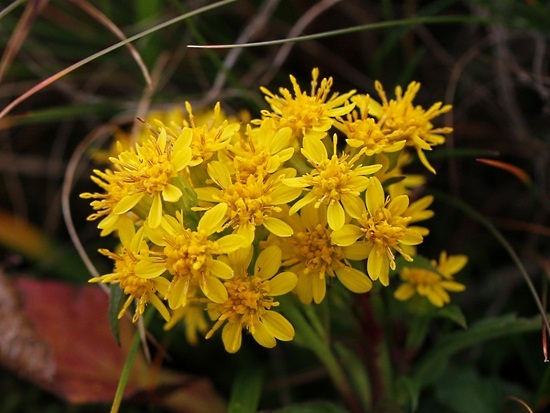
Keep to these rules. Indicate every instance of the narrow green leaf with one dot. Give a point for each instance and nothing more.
(454, 313)
(246, 391)
(115, 301)
(430, 367)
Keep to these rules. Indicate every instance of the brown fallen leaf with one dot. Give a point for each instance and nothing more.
(21, 349)
(73, 323)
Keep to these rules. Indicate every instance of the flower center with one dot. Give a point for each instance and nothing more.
(248, 201)
(187, 254)
(384, 229)
(422, 277)
(317, 252)
(247, 301)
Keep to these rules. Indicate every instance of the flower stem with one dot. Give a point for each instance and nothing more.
(309, 337)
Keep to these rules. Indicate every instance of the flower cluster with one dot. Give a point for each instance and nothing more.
(217, 216)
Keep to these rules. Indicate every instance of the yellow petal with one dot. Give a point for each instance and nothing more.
(232, 337)
(268, 262)
(171, 193)
(219, 174)
(398, 205)
(347, 235)
(178, 293)
(159, 305)
(213, 289)
(229, 243)
(358, 251)
(404, 292)
(378, 265)
(147, 269)
(353, 205)
(278, 227)
(354, 280)
(127, 203)
(282, 283)
(279, 326)
(374, 196)
(263, 336)
(220, 269)
(155, 213)
(335, 216)
(318, 287)
(283, 194)
(314, 149)
(212, 220)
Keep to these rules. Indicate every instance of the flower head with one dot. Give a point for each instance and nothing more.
(104, 203)
(434, 285)
(251, 202)
(307, 114)
(143, 290)
(365, 133)
(250, 300)
(191, 257)
(413, 122)
(315, 259)
(335, 182)
(149, 169)
(383, 228)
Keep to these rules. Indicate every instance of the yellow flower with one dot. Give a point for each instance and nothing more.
(250, 300)
(189, 256)
(335, 182)
(412, 122)
(397, 181)
(312, 256)
(104, 203)
(364, 132)
(193, 317)
(263, 152)
(434, 285)
(144, 290)
(250, 203)
(307, 114)
(383, 228)
(149, 169)
(212, 133)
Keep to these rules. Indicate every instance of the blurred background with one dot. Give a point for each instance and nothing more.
(492, 66)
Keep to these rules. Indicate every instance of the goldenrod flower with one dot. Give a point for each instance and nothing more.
(149, 169)
(211, 134)
(382, 228)
(264, 150)
(144, 290)
(252, 202)
(104, 203)
(335, 182)
(365, 133)
(412, 122)
(313, 257)
(250, 300)
(193, 317)
(307, 114)
(190, 256)
(434, 285)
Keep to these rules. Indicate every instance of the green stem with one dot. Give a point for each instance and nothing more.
(319, 344)
(123, 380)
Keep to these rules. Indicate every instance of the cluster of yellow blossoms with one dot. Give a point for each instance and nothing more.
(218, 216)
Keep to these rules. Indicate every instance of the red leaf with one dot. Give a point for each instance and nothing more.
(74, 322)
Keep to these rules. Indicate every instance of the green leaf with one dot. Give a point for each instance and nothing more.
(313, 407)
(357, 374)
(454, 313)
(246, 391)
(115, 301)
(432, 365)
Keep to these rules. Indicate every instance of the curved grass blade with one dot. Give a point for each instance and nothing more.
(354, 29)
(80, 63)
(472, 213)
